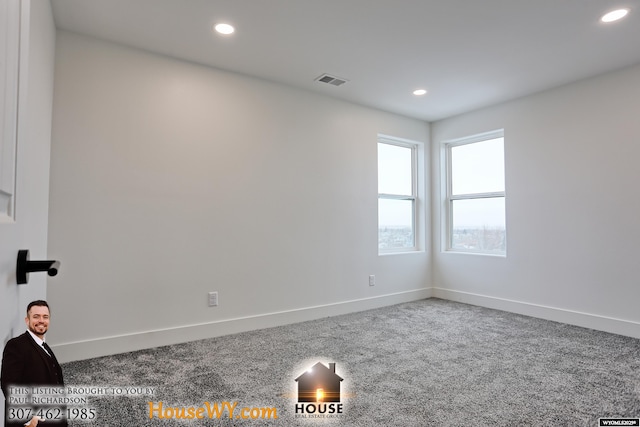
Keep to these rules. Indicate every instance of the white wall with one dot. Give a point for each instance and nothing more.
(573, 209)
(170, 180)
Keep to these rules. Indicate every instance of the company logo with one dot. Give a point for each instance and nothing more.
(319, 392)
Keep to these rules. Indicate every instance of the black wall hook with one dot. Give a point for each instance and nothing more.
(24, 267)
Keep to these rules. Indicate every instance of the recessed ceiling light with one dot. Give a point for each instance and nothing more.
(419, 92)
(614, 15)
(225, 29)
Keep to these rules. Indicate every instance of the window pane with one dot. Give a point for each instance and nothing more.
(394, 169)
(395, 224)
(478, 167)
(479, 225)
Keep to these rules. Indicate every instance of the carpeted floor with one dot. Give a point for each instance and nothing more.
(424, 363)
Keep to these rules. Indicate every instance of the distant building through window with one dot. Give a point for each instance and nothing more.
(397, 207)
(476, 194)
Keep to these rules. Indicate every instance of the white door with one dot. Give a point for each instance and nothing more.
(27, 49)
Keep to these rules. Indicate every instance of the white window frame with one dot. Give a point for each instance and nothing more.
(413, 197)
(450, 198)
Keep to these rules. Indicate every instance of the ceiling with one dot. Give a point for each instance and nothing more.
(467, 53)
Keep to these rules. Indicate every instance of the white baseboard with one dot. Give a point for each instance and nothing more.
(80, 350)
(585, 320)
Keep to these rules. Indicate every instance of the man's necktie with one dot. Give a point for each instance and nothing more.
(48, 349)
(54, 363)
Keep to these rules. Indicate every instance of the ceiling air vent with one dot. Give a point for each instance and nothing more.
(332, 80)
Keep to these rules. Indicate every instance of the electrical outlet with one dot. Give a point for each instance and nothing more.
(372, 280)
(213, 299)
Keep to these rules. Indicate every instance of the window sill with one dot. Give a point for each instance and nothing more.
(474, 253)
(401, 252)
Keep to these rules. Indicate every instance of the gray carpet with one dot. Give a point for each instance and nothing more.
(424, 363)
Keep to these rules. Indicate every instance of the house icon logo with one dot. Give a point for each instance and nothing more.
(319, 384)
(319, 392)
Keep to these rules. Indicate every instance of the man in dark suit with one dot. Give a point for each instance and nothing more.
(28, 363)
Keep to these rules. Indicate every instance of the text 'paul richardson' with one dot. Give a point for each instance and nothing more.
(48, 395)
